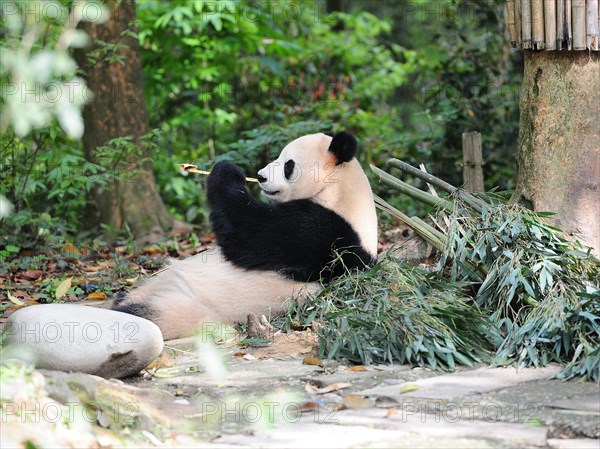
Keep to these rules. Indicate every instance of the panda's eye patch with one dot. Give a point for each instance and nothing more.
(288, 169)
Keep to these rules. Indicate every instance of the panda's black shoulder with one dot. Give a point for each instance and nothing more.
(299, 239)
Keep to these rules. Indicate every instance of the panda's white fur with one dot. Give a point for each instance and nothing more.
(343, 188)
(224, 284)
(206, 288)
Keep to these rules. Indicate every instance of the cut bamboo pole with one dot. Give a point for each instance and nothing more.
(550, 24)
(568, 24)
(560, 23)
(469, 199)
(423, 230)
(526, 23)
(591, 20)
(537, 24)
(472, 162)
(519, 24)
(412, 191)
(437, 234)
(511, 21)
(579, 31)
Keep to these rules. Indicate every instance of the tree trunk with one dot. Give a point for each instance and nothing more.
(559, 141)
(118, 109)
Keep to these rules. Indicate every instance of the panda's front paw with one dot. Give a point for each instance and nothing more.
(226, 173)
(223, 177)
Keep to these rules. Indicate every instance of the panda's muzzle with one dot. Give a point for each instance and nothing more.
(261, 178)
(270, 192)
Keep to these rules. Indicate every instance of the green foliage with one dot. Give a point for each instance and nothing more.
(541, 288)
(39, 82)
(251, 73)
(239, 80)
(48, 179)
(466, 80)
(395, 312)
(43, 170)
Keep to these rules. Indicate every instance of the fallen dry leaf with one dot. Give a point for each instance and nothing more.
(32, 275)
(14, 299)
(333, 387)
(391, 412)
(312, 361)
(70, 250)
(131, 281)
(308, 406)
(357, 368)
(310, 388)
(62, 288)
(163, 362)
(357, 402)
(97, 295)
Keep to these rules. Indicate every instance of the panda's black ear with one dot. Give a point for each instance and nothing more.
(344, 145)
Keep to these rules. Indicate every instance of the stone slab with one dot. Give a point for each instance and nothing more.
(576, 443)
(589, 403)
(302, 435)
(443, 425)
(463, 383)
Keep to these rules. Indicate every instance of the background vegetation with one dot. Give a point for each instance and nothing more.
(238, 80)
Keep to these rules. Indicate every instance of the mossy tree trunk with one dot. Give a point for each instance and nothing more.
(117, 110)
(559, 141)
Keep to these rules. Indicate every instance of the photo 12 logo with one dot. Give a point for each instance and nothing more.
(92, 11)
(71, 332)
(50, 411)
(267, 412)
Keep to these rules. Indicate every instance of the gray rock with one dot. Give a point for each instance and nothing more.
(69, 337)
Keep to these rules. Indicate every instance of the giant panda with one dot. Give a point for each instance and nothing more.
(320, 221)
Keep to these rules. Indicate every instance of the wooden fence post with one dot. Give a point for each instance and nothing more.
(472, 162)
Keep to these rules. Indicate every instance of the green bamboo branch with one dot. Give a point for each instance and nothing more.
(412, 191)
(469, 199)
(431, 235)
(422, 229)
(441, 237)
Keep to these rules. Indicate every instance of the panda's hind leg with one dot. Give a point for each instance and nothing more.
(138, 309)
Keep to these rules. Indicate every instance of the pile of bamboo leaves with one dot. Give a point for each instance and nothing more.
(508, 287)
(395, 312)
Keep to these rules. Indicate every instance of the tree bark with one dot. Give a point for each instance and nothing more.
(118, 109)
(559, 141)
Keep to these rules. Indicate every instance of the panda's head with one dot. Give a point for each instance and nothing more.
(307, 166)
